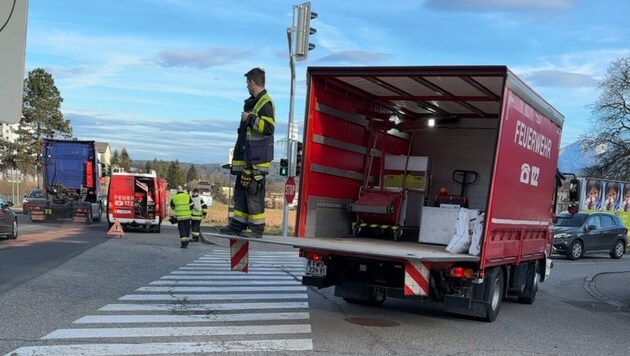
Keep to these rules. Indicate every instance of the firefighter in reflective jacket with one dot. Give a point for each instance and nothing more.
(199, 211)
(252, 158)
(182, 204)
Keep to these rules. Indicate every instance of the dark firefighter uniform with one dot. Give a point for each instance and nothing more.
(199, 210)
(182, 204)
(252, 158)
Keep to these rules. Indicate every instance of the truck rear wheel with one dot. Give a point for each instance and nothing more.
(376, 299)
(494, 294)
(531, 287)
(373, 302)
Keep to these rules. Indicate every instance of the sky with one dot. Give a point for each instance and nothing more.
(164, 79)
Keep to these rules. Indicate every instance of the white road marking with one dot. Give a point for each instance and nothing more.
(204, 307)
(181, 291)
(287, 282)
(166, 348)
(177, 297)
(178, 331)
(190, 318)
(224, 289)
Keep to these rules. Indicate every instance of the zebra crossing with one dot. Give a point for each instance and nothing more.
(199, 308)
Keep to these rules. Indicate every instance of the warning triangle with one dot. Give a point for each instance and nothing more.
(116, 230)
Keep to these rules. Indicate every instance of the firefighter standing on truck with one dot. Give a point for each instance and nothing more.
(199, 211)
(182, 204)
(252, 158)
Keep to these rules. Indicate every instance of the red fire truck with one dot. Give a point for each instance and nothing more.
(136, 200)
(391, 158)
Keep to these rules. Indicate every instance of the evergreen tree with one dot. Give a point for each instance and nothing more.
(175, 175)
(217, 182)
(609, 135)
(148, 167)
(161, 167)
(124, 160)
(41, 118)
(192, 174)
(115, 160)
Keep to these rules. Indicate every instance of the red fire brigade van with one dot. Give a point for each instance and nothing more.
(401, 164)
(136, 200)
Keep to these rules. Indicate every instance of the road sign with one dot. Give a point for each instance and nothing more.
(289, 190)
(293, 131)
(116, 230)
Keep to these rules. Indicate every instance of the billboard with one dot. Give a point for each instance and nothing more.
(606, 195)
(13, 15)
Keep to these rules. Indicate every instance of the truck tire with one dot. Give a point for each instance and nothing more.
(576, 250)
(618, 251)
(97, 218)
(373, 302)
(531, 286)
(495, 294)
(14, 230)
(376, 299)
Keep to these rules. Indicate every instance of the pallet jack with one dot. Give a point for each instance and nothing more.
(464, 178)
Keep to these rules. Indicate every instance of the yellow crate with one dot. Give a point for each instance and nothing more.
(396, 181)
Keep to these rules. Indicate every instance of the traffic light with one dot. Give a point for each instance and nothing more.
(298, 159)
(304, 30)
(284, 167)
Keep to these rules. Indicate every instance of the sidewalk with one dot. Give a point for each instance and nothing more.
(610, 287)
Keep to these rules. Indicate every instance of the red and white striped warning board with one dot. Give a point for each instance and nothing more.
(239, 255)
(416, 278)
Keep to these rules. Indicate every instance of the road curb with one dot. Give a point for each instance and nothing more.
(591, 287)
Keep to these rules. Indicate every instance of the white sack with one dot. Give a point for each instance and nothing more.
(460, 242)
(477, 230)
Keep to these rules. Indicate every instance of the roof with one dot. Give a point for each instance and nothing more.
(101, 146)
(441, 92)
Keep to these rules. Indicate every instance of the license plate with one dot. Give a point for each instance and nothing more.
(316, 268)
(48, 211)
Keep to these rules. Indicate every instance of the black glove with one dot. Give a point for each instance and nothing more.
(253, 187)
(257, 181)
(172, 220)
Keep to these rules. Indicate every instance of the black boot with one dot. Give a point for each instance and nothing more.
(253, 233)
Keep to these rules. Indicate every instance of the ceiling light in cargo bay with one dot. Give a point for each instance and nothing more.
(431, 122)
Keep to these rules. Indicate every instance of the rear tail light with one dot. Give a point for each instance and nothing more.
(462, 272)
(310, 255)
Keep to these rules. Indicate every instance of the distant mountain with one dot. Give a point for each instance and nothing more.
(572, 158)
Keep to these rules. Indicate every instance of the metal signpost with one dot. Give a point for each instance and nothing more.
(299, 53)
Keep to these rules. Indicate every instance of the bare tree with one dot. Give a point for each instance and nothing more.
(609, 136)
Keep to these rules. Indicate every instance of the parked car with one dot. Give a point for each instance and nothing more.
(8, 220)
(34, 194)
(575, 235)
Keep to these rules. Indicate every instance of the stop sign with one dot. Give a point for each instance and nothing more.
(289, 190)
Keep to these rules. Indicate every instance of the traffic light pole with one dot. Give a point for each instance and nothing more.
(300, 52)
(289, 147)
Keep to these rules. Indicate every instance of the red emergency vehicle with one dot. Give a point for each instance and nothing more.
(136, 200)
(379, 145)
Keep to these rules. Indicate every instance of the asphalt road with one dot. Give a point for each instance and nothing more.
(71, 289)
